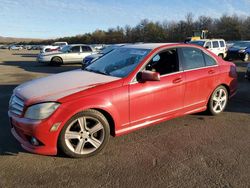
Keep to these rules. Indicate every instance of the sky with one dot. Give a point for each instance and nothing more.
(58, 18)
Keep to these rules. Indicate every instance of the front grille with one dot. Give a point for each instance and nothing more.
(16, 105)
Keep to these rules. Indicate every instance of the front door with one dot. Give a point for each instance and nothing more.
(155, 100)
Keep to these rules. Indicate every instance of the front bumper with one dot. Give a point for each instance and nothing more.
(24, 129)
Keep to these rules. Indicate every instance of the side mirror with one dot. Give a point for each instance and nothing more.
(148, 76)
(207, 47)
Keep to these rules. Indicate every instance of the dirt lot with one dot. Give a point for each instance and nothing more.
(192, 151)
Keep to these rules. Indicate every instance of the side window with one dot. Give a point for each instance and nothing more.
(86, 49)
(222, 44)
(208, 45)
(192, 58)
(165, 62)
(215, 44)
(209, 60)
(75, 49)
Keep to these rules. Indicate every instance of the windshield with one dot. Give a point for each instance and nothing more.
(241, 44)
(197, 42)
(119, 63)
(65, 49)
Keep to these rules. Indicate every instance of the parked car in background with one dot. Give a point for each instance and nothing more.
(16, 47)
(91, 58)
(217, 46)
(240, 50)
(230, 43)
(131, 87)
(5, 47)
(54, 47)
(247, 75)
(74, 53)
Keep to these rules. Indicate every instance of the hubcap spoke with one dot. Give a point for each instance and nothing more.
(82, 123)
(215, 98)
(224, 98)
(216, 106)
(72, 135)
(96, 128)
(80, 146)
(93, 141)
(220, 93)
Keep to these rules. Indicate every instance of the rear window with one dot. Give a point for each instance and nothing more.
(209, 60)
(222, 44)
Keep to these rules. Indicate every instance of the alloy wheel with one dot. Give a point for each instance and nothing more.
(219, 100)
(84, 135)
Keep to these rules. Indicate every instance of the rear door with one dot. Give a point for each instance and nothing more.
(215, 47)
(200, 73)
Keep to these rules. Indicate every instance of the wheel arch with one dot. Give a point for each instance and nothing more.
(56, 57)
(109, 118)
(222, 84)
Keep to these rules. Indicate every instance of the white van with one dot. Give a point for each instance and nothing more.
(217, 46)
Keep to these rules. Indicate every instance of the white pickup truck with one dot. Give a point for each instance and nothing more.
(54, 47)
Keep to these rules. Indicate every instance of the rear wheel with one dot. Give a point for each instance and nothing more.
(57, 61)
(218, 101)
(85, 134)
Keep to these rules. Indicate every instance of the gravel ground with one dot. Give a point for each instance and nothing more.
(191, 151)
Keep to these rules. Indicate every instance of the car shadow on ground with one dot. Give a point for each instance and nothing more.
(32, 66)
(8, 144)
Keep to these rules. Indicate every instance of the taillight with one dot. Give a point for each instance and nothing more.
(233, 71)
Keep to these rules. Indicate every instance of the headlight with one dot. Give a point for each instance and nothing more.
(41, 111)
(242, 51)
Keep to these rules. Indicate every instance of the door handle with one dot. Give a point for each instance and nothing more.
(177, 80)
(211, 71)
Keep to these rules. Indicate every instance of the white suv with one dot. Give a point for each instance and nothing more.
(217, 46)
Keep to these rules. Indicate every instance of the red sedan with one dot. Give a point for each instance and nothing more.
(129, 88)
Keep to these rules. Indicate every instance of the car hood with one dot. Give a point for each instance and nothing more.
(236, 48)
(93, 56)
(57, 86)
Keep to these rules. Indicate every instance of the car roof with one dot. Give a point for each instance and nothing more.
(147, 45)
(208, 40)
(79, 45)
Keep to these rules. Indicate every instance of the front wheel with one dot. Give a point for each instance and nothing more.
(85, 134)
(218, 101)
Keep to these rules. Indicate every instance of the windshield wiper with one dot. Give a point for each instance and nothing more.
(96, 71)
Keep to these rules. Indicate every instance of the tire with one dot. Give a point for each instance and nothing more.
(218, 101)
(221, 55)
(57, 61)
(84, 135)
(246, 57)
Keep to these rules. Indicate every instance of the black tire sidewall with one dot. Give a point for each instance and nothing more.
(96, 114)
(54, 61)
